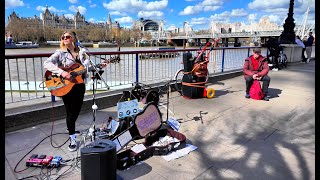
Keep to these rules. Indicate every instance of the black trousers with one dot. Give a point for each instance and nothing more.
(274, 58)
(73, 103)
(265, 79)
(303, 58)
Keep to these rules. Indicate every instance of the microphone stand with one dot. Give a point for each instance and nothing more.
(96, 75)
(96, 70)
(94, 108)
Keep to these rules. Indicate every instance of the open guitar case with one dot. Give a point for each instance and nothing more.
(148, 125)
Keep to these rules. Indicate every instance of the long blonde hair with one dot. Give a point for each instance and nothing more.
(74, 41)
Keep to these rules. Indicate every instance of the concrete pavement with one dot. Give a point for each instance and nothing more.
(237, 138)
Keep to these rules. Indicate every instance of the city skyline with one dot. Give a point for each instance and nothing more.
(198, 13)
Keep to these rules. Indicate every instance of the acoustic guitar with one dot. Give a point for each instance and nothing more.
(59, 86)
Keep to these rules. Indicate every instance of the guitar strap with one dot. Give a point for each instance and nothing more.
(78, 61)
(75, 58)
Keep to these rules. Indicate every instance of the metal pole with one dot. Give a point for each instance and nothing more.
(137, 68)
(222, 65)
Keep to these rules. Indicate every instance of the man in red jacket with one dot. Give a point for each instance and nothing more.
(256, 67)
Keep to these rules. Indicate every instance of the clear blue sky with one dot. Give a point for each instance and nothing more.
(198, 13)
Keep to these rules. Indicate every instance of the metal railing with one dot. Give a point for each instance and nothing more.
(24, 72)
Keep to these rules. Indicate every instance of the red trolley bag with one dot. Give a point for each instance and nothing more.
(148, 125)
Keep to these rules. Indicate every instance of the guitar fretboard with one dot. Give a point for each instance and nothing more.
(112, 60)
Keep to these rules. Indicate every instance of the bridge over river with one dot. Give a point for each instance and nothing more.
(233, 37)
(226, 37)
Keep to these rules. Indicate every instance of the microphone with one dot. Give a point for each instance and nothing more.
(78, 43)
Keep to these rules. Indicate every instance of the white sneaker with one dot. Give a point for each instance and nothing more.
(275, 69)
(73, 146)
(270, 65)
(308, 60)
(76, 132)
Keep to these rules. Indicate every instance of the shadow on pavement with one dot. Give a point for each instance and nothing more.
(219, 93)
(274, 93)
(265, 155)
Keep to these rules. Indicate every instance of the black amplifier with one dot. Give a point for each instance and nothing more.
(99, 160)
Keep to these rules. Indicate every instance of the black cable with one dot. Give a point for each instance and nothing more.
(52, 129)
(71, 166)
(51, 138)
(41, 172)
(46, 174)
(64, 172)
(67, 160)
(31, 151)
(33, 176)
(77, 161)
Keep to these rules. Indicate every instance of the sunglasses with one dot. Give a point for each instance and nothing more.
(65, 37)
(257, 52)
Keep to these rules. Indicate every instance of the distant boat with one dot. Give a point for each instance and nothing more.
(107, 43)
(21, 45)
(160, 54)
(104, 44)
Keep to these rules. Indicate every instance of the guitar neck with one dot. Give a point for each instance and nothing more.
(80, 72)
(112, 60)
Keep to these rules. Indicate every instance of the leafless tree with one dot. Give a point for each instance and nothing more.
(34, 30)
(135, 34)
(96, 34)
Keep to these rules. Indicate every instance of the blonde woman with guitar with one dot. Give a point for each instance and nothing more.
(67, 66)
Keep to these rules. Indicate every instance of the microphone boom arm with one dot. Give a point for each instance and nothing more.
(87, 53)
(97, 72)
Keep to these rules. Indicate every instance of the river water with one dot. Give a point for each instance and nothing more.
(149, 69)
(28, 70)
(52, 49)
(26, 75)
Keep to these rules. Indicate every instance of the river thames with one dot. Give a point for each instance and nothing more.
(91, 49)
(26, 74)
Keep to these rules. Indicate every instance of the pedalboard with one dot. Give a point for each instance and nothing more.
(36, 160)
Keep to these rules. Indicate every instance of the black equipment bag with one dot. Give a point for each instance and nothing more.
(193, 81)
(148, 125)
(188, 61)
(192, 86)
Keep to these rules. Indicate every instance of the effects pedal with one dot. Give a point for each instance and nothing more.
(41, 156)
(34, 160)
(56, 161)
(46, 161)
(38, 160)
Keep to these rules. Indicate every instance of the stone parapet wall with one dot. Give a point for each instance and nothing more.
(293, 52)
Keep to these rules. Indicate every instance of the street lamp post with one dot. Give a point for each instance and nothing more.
(288, 35)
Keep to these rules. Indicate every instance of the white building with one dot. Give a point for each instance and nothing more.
(264, 24)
